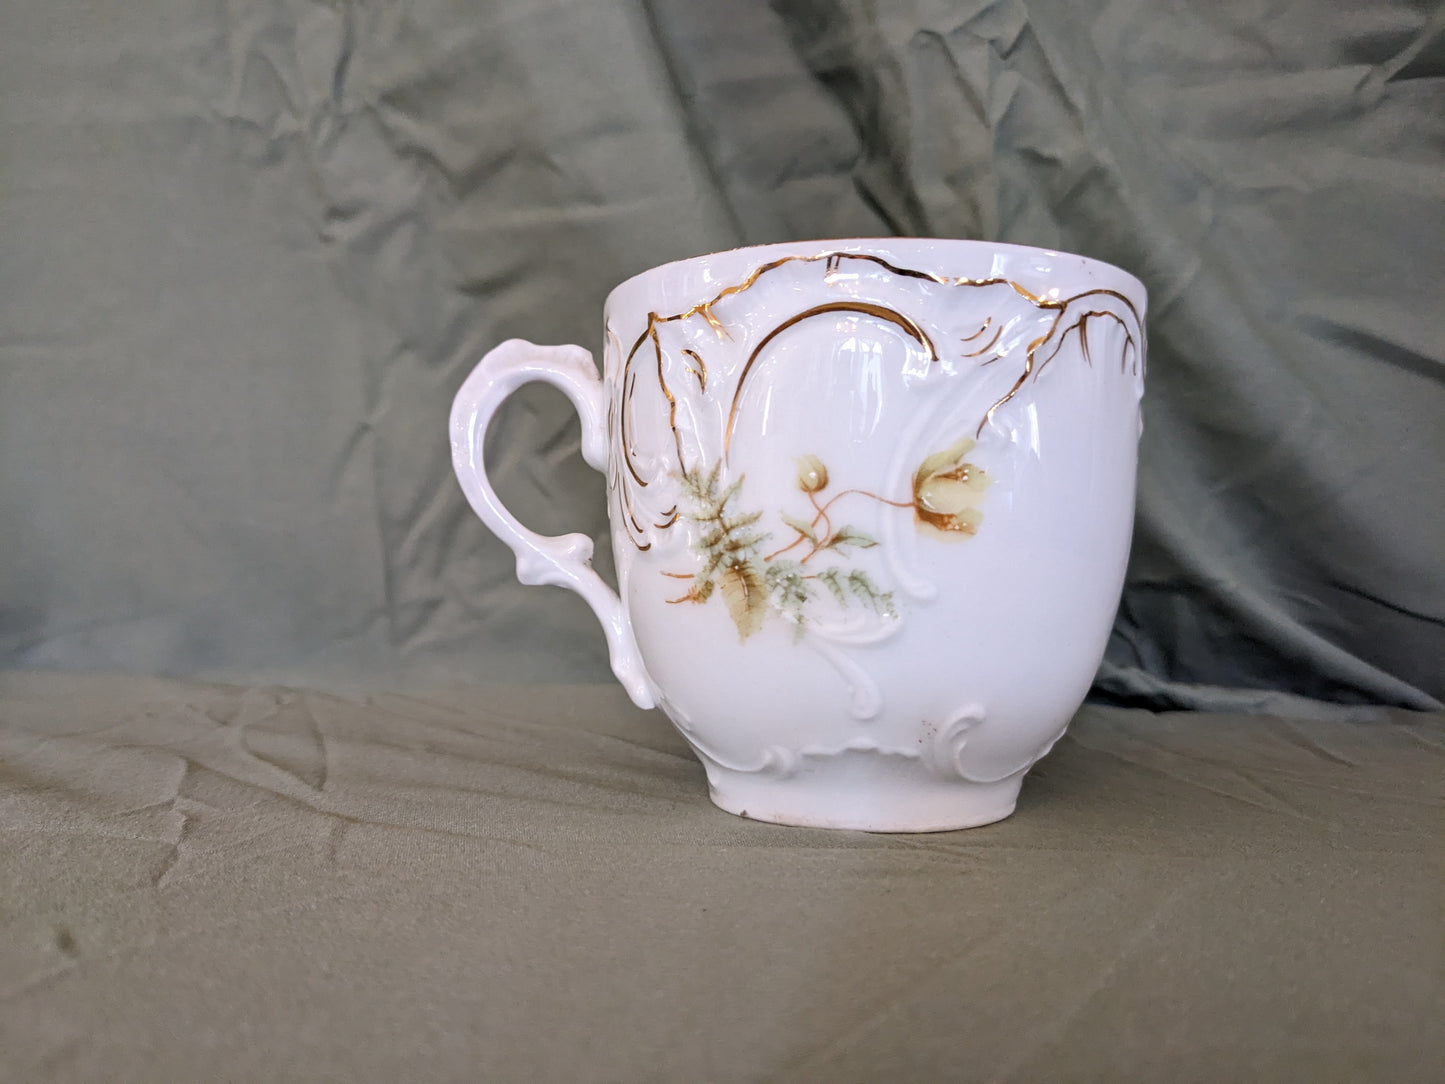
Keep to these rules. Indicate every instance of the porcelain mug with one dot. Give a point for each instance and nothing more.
(870, 502)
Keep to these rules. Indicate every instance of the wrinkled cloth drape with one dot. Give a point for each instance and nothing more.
(248, 251)
(529, 883)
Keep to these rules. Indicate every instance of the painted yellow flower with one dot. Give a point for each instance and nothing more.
(812, 474)
(947, 489)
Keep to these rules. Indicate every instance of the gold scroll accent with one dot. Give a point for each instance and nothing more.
(699, 371)
(617, 415)
(988, 346)
(987, 323)
(867, 308)
(833, 262)
(1060, 306)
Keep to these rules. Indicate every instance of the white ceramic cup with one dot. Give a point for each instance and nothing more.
(870, 501)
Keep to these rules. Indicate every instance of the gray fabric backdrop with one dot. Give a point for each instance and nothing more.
(250, 248)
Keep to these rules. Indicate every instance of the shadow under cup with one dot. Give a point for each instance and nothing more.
(871, 505)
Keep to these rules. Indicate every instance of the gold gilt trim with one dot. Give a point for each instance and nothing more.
(629, 385)
(867, 308)
(616, 414)
(699, 371)
(833, 262)
(987, 323)
(988, 346)
(1060, 305)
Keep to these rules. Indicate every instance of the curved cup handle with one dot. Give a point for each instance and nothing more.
(563, 560)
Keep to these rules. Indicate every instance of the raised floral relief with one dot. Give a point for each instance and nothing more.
(1067, 315)
(814, 561)
(804, 562)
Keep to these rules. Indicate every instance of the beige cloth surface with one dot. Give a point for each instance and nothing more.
(203, 882)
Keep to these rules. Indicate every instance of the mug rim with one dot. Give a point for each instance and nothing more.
(869, 244)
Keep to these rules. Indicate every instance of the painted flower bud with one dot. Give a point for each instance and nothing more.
(947, 489)
(812, 475)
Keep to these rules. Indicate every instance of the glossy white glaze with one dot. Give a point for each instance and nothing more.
(871, 504)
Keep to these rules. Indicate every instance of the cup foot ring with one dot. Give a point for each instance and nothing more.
(871, 797)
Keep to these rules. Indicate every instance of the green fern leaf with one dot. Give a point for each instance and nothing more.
(802, 526)
(850, 536)
(865, 590)
(832, 580)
